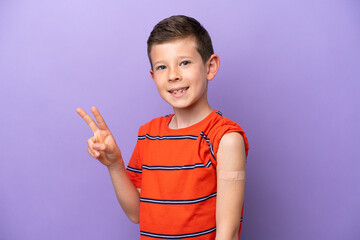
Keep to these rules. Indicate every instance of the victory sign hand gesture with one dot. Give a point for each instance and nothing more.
(102, 145)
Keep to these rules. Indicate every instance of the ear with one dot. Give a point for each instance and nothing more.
(212, 66)
(152, 74)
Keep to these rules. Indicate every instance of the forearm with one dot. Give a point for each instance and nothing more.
(126, 193)
(230, 202)
(230, 233)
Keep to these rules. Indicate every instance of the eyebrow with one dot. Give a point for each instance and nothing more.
(157, 62)
(185, 57)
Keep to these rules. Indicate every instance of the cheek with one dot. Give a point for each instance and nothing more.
(198, 78)
(160, 85)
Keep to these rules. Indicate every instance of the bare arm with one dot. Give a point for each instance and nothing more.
(230, 191)
(126, 193)
(102, 146)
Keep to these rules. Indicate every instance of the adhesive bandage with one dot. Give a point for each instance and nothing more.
(232, 175)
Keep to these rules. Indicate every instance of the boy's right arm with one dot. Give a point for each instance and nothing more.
(102, 146)
(126, 193)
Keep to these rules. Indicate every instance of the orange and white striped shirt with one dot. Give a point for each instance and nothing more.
(176, 171)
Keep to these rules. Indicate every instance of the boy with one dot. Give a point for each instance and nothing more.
(186, 176)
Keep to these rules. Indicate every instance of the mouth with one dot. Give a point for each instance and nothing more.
(178, 91)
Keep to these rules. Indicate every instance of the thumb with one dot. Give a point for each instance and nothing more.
(99, 146)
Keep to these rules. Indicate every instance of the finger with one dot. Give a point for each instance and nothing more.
(99, 119)
(87, 119)
(97, 137)
(90, 143)
(99, 146)
(91, 153)
(94, 139)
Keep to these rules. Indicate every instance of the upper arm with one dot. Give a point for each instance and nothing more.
(139, 190)
(231, 152)
(230, 193)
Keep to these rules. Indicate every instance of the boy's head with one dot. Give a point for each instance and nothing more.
(177, 27)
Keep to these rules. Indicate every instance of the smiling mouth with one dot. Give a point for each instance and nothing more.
(179, 90)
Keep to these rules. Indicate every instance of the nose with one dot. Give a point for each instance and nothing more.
(174, 74)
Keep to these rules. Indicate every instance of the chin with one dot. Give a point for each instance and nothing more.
(179, 105)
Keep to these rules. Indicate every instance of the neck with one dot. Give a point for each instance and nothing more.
(185, 117)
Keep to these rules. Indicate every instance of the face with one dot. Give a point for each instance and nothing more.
(180, 74)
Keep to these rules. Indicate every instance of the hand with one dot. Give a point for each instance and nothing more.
(102, 145)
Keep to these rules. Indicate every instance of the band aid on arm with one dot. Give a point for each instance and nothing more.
(231, 175)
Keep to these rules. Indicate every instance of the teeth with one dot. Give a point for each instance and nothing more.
(178, 91)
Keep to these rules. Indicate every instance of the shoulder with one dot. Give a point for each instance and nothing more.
(232, 150)
(226, 122)
(229, 134)
(231, 140)
(221, 122)
(222, 126)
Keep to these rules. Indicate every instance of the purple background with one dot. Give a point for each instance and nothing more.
(289, 76)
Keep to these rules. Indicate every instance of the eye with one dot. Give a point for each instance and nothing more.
(162, 67)
(184, 63)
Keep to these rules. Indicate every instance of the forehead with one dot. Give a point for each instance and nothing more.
(183, 46)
